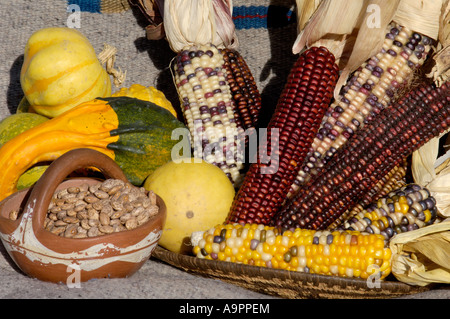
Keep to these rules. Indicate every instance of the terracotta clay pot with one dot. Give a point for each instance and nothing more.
(48, 257)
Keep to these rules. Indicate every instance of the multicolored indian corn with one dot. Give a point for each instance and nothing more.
(335, 253)
(371, 88)
(291, 130)
(373, 151)
(220, 101)
(405, 209)
(208, 108)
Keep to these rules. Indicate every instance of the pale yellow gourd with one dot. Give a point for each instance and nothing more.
(198, 195)
(61, 70)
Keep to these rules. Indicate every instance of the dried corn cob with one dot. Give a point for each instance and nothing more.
(208, 109)
(299, 112)
(372, 87)
(405, 209)
(338, 253)
(244, 91)
(392, 181)
(369, 155)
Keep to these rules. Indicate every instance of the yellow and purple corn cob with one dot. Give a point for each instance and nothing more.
(371, 88)
(208, 108)
(367, 157)
(405, 209)
(299, 112)
(336, 253)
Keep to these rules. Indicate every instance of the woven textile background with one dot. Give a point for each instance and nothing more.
(266, 30)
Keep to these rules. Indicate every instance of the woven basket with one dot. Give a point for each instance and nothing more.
(283, 283)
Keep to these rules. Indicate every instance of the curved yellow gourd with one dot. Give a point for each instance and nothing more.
(87, 125)
(61, 70)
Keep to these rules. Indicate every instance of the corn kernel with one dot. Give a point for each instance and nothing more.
(282, 249)
(196, 250)
(239, 257)
(315, 269)
(208, 248)
(294, 262)
(282, 264)
(255, 255)
(228, 251)
(343, 261)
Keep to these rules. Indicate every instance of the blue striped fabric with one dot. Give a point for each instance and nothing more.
(244, 17)
(93, 6)
(250, 17)
(272, 16)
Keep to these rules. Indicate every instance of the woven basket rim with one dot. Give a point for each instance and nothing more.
(284, 283)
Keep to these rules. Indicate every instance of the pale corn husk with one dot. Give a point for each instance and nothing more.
(354, 30)
(201, 22)
(421, 16)
(305, 9)
(422, 256)
(441, 70)
(433, 173)
(444, 24)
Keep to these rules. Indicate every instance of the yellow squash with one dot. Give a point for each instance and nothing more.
(61, 70)
(147, 93)
(198, 195)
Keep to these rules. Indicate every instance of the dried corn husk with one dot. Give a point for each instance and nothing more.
(354, 30)
(433, 173)
(108, 57)
(202, 22)
(441, 70)
(444, 24)
(153, 13)
(305, 9)
(421, 16)
(422, 256)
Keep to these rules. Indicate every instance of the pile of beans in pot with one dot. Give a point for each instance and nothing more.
(104, 208)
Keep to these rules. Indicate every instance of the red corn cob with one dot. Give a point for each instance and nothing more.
(292, 128)
(367, 157)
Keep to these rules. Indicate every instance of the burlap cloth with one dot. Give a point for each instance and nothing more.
(266, 31)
